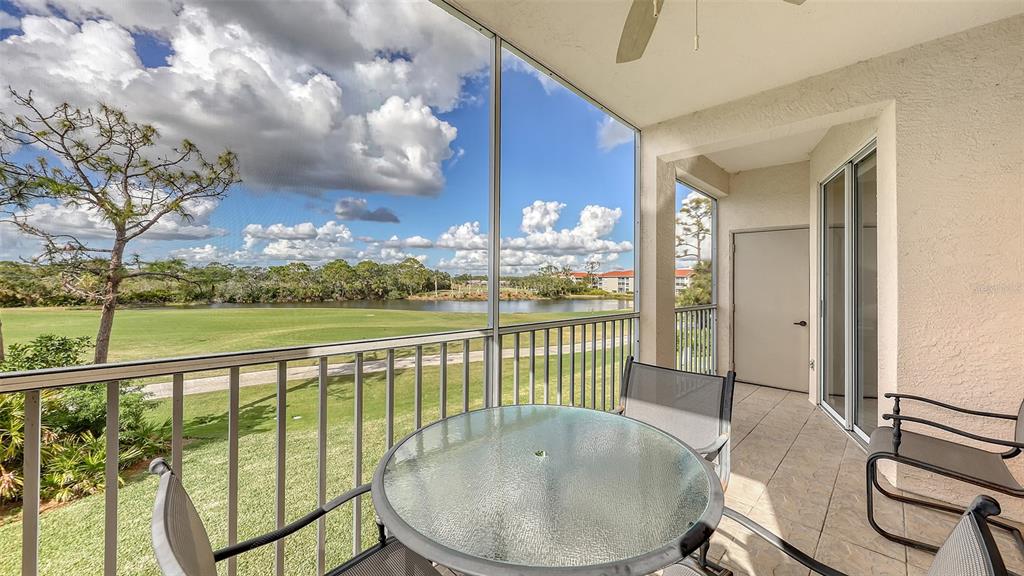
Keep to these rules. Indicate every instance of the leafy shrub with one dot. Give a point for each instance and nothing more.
(74, 424)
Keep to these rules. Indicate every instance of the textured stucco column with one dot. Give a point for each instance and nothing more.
(657, 261)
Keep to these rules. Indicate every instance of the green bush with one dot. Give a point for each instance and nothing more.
(74, 424)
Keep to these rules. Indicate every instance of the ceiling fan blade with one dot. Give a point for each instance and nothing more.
(637, 30)
(797, 2)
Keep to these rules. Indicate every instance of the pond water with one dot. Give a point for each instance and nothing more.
(469, 306)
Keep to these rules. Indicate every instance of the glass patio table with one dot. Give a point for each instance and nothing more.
(546, 490)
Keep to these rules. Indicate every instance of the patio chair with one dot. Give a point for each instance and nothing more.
(950, 459)
(969, 550)
(695, 408)
(183, 548)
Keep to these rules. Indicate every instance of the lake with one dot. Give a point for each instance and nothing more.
(468, 306)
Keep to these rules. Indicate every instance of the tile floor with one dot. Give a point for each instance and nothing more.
(796, 473)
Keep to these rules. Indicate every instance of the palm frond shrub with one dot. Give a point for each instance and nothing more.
(73, 450)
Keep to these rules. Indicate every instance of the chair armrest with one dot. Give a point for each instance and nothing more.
(949, 406)
(786, 548)
(711, 451)
(290, 528)
(897, 418)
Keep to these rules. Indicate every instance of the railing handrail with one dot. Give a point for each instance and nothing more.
(92, 373)
(551, 324)
(697, 307)
(131, 370)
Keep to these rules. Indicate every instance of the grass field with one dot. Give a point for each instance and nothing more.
(72, 537)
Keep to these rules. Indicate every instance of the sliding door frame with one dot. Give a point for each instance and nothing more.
(851, 278)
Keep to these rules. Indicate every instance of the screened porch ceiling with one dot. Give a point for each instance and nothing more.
(578, 39)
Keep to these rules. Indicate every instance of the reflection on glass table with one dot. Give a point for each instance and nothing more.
(546, 490)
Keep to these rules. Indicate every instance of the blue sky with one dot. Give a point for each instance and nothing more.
(420, 104)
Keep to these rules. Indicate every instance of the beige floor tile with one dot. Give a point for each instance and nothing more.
(741, 392)
(743, 488)
(796, 472)
(799, 499)
(852, 559)
(1012, 555)
(748, 553)
(847, 515)
(847, 519)
(726, 530)
(915, 571)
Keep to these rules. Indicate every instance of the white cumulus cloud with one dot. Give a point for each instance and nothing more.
(541, 243)
(87, 223)
(612, 133)
(284, 85)
(8, 21)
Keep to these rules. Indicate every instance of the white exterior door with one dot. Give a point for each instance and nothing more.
(770, 291)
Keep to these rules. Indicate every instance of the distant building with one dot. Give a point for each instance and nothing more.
(621, 281)
(683, 276)
(594, 280)
(617, 281)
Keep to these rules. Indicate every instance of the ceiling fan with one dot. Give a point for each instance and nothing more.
(636, 32)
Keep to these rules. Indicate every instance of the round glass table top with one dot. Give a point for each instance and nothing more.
(546, 490)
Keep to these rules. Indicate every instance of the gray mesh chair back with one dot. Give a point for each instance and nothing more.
(180, 542)
(696, 408)
(970, 549)
(183, 548)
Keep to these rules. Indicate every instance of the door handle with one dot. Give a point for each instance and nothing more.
(800, 323)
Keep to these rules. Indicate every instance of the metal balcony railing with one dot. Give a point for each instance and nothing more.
(573, 362)
(696, 333)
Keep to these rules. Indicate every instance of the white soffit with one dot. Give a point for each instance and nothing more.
(747, 46)
(784, 150)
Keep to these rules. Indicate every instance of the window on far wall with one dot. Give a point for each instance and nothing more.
(567, 200)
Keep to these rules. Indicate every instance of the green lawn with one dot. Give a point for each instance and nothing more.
(148, 333)
(71, 535)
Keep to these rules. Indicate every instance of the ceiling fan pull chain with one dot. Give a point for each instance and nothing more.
(696, 26)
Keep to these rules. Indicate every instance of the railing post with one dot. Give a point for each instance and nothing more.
(280, 477)
(31, 475)
(515, 368)
(418, 388)
(442, 393)
(389, 399)
(177, 422)
(321, 464)
(233, 385)
(533, 366)
(465, 376)
(357, 454)
(110, 488)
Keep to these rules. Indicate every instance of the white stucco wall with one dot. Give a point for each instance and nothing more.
(949, 116)
(763, 198)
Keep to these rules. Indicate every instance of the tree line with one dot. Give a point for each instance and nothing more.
(173, 281)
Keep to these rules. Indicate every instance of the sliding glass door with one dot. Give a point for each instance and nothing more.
(833, 340)
(848, 285)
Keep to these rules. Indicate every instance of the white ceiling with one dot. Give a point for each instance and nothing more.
(747, 46)
(784, 150)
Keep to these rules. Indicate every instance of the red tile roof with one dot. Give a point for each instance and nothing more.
(618, 274)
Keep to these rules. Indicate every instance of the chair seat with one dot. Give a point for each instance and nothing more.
(964, 460)
(394, 559)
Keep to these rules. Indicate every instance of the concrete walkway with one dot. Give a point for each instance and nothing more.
(257, 378)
